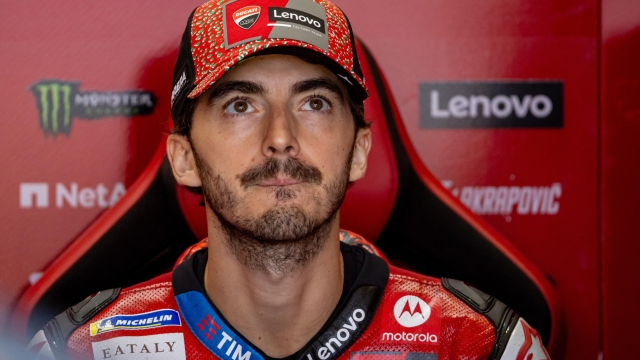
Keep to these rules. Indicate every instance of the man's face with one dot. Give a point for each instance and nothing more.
(273, 143)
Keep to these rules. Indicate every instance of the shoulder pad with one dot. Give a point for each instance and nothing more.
(524, 343)
(502, 317)
(51, 341)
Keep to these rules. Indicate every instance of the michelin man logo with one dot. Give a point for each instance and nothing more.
(411, 311)
(105, 327)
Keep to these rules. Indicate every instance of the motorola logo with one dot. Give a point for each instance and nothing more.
(411, 311)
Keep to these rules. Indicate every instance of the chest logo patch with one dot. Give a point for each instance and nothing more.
(411, 319)
(158, 318)
(151, 347)
(211, 330)
(411, 311)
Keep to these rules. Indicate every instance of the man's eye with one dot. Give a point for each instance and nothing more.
(316, 104)
(239, 107)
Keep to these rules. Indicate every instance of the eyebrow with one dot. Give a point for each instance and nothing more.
(317, 83)
(246, 87)
(251, 87)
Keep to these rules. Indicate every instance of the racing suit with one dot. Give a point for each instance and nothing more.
(384, 313)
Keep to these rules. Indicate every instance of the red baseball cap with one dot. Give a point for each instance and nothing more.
(220, 34)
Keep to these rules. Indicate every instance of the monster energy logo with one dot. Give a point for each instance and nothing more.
(59, 102)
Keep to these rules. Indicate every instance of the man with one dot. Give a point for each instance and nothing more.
(269, 126)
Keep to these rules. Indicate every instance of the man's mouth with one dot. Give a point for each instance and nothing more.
(274, 172)
(279, 181)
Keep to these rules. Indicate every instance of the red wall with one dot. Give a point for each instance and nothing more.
(620, 176)
(593, 49)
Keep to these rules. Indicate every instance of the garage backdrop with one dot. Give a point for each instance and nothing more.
(527, 111)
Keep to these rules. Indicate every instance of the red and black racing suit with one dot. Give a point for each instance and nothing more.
(384, 313)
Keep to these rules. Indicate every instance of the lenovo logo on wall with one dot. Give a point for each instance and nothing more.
(499, 104)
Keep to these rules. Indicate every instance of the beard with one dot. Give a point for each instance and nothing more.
(285, 237)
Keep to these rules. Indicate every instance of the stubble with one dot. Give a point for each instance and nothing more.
(285, 237)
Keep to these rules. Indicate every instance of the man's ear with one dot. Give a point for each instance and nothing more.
(183, 163)
(361, 149)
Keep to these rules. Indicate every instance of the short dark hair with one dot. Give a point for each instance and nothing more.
(182, 124)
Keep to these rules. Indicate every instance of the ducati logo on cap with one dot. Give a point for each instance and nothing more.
(246, 16)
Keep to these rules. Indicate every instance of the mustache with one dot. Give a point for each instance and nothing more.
(270, 169)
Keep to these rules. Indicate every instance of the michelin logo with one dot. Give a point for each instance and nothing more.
(158, 318)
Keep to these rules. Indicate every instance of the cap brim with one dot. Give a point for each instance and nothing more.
(310, 53)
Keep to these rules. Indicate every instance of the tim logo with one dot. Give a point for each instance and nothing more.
(247, 16)
(208, 331)
(411, 311)
(59, 102)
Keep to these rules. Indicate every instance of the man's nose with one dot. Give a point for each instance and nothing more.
(280, 138)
